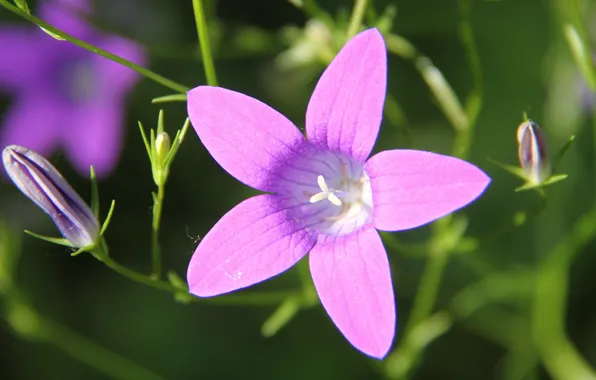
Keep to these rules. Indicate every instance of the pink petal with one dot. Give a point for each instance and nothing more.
(345, 110)
(247, 138)
(353, 280)
(93, 135)
(254, 241)
(33, 121)
(412, 187)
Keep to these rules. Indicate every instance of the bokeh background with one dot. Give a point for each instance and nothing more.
(526, 66)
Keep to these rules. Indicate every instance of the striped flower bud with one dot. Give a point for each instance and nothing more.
(533, 153)
(44, 185)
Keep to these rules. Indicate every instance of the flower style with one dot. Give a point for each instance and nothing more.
(324, 196)
(66, 97)
(44, 185)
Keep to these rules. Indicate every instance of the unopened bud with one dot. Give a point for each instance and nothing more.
(533, 153)
(44, 185)
(162, 146)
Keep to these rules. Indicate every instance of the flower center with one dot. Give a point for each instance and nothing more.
(329, 192)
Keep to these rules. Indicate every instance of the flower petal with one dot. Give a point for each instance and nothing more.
(247, 138)
(412, 187)
(254, 241)
(117, 78)
(353, 280)
(93, 135)
(33, 121)
(22, 67)
(345, 110)
(68, 16)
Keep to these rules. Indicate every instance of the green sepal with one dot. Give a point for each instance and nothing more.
(59, 241)
(169, 98)
(561, 153)
(516, 171)
(106, 222)
(176, 143)
(552, 179)
(145, 141)
(160, 122)
(94, 193)
(281, 316)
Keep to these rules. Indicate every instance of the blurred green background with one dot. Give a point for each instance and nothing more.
(526, 67)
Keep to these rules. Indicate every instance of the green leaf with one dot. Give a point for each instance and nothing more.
(59, 241)
(281, 316)
(175, 280)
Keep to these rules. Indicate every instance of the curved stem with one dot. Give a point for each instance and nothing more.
(356, 19)
(155, 248)
(204, 42)
(560, 357)
(94, 49)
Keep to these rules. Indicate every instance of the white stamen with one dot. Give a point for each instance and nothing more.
(325, 193)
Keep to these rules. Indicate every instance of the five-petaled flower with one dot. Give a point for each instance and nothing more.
(324, 196)
(65, 96)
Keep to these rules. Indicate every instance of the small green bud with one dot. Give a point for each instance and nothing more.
(162, 146)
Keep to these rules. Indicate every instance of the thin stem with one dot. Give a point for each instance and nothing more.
(429, 286)
(155, 248)
(356, 19)
(560, 357)
(473, 102)
(94, 49)
(246, 298)
(204, 42)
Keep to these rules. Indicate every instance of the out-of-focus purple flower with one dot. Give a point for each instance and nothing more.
(44, 185)
(64, 96)
(325, 195)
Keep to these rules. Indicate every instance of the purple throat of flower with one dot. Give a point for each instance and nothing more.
(327, 193)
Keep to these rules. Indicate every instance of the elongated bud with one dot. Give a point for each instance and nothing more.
(162, 146)
(44, 185)
(533, 153)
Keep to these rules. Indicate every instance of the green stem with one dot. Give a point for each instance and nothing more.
(246, 298)
(356, 19)
(560, 357)
(204, 42)
(426, 295)
(155, 248)
(473, 102)
(94, 49)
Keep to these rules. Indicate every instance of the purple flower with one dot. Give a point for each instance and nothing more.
(324, 196)
(44, 185)
(64, 96)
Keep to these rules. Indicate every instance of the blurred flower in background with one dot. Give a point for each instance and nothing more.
(66, 97)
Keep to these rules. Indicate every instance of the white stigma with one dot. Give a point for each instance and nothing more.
(325, 193)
